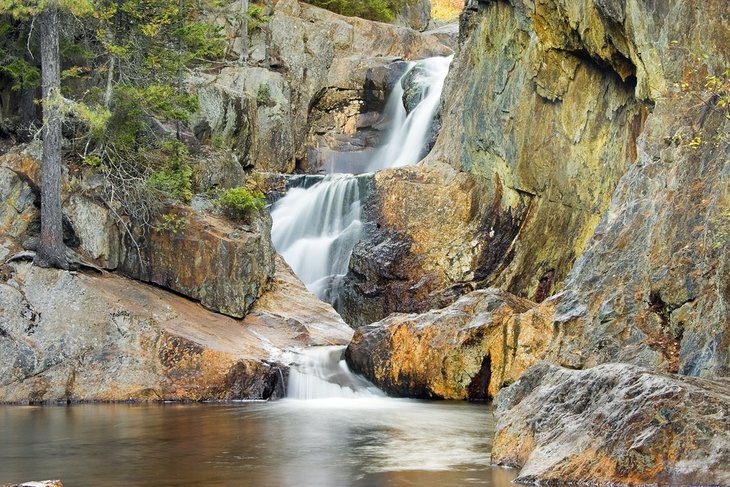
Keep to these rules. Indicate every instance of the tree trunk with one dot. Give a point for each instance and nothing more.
(27, 106)
(51, 250)
(244, 32)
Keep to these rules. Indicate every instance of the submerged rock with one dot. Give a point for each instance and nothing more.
(76, 337)
(465, 351)
(614, 424)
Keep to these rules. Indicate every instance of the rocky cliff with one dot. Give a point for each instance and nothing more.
(543, 113)
(312, 78)
(583, 158)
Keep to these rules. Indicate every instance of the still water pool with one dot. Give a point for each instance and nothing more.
(331, 442)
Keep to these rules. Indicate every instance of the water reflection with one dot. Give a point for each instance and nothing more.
(365, 442)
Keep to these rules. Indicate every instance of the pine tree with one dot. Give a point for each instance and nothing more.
(51, 251)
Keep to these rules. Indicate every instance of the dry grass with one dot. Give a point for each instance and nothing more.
(446, 10)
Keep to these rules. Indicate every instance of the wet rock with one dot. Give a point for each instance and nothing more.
(419, 240)
(77, 337)
(468, 350)
(225, 265)
(614, 424)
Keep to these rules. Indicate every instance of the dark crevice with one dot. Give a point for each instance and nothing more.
(478, 389)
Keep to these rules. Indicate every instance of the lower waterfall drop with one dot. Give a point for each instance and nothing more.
(321, 373)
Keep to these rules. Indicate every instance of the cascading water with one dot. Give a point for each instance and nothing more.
(406, 141)
(316, 228)
(321, 373)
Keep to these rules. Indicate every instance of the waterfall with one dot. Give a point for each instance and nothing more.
(321, 373)
(315, 230)
(406, 142)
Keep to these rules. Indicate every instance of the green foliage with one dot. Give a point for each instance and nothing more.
(24, 9)
(240, 203)
(263, 95)
(380, 10)
(256, 17)
(173, 180)
(23, 74)
(711, 93)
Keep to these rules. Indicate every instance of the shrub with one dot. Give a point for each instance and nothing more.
(239, 203)
(263, 95)
(256, 17)
(173, 180)
(380, 10)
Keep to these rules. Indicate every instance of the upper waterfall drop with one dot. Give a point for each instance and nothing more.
(407, 139)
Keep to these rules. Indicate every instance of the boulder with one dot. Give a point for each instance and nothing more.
(467, 350)
(80, 337)
(17, 210)
(226, 265)
(614, 424)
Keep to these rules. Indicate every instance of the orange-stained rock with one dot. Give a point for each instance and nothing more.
(467, 350)
(614, 424)
(81, 337)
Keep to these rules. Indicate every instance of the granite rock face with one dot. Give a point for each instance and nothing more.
(614, 424)
(78, 337)
(311, 78)
(534, 139)
(415, 14)
(17, 210)
(653, 286)
(467, 350)
(226, 265)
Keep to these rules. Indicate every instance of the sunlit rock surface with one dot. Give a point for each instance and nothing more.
(614, 424)
(468, 350)
(415, 14)
(84, 337)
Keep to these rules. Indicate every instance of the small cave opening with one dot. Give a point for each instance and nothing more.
(478, 389)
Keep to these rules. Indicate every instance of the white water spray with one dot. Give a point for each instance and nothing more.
(315, 230)
(406, 141)
(321, 373)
